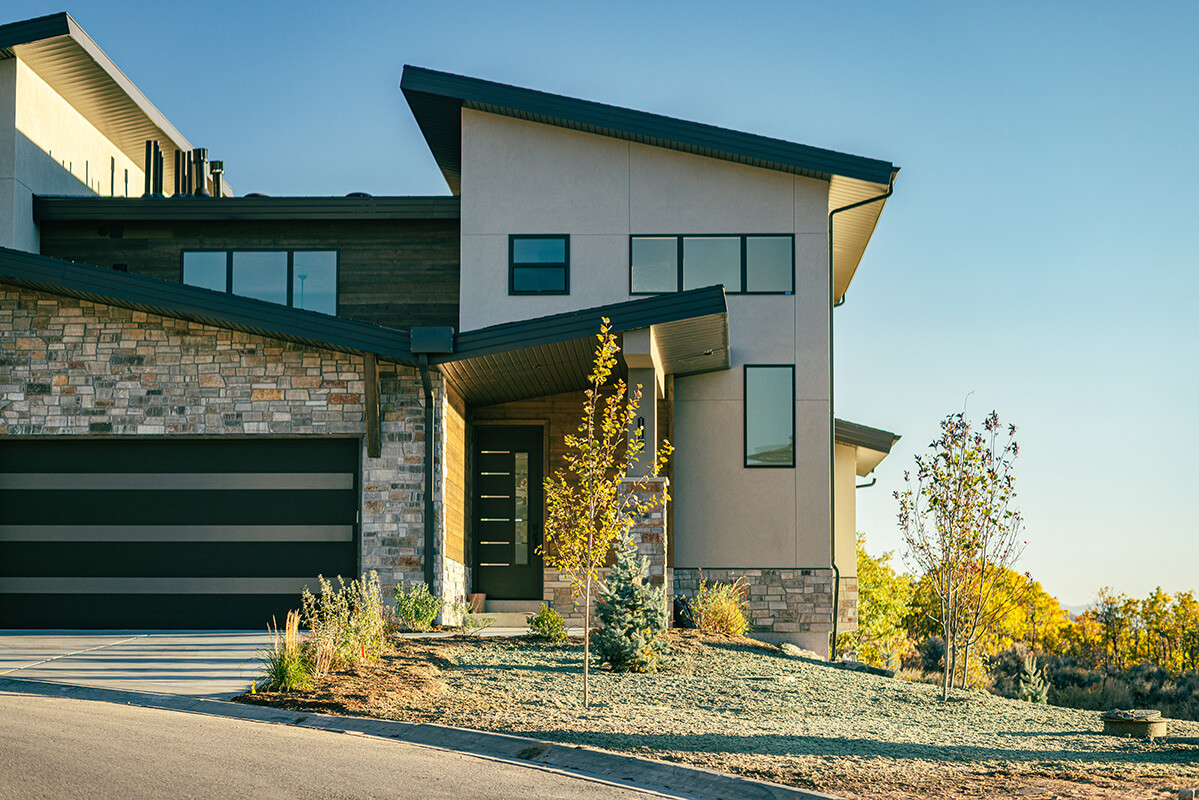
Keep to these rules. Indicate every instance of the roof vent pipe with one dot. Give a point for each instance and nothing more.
(153, 169)
(218, 172)
(200, 168)
(158, 165)
(178, 173)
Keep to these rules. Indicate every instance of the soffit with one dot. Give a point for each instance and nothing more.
(872, 444)
(67, 59)
(551, 355)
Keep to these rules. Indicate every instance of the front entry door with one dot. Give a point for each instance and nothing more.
(508, 512)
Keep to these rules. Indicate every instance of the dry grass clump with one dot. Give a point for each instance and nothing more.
(720, 608)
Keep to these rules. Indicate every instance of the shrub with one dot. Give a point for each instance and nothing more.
(932, 654)
(284, 668)
(416, 607)
(720, 608)
(547, 625)
(633, 614)
(1032, 686)
(346, 625)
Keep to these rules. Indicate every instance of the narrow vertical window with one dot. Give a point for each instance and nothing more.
(770, 415)
(539, 264)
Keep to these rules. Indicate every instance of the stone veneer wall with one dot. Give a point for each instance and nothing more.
(784, 604)
(71, 367)
(650, 534)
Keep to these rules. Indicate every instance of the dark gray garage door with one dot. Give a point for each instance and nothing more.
(106, 533)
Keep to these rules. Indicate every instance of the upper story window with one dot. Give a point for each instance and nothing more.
(770, 415)
(749, 264)
(298, 278)
(539, 264)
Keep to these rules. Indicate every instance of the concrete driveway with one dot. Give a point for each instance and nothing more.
(210, 664)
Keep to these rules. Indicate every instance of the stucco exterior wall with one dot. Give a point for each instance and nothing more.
(74, 368)
(524, 177)
(47, 147)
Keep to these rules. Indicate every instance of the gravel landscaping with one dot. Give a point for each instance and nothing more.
(744, 707)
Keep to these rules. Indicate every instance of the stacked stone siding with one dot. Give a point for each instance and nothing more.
(792, 604)
(71, 367)
(649, 532)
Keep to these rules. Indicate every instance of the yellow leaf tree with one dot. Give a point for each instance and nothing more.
(586, 510)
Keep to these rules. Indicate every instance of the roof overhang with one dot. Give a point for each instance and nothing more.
(67, 59)
(551, 355)
(179, 301)
(872, 444)
(437, 99)
(513, 361)
(146, 209)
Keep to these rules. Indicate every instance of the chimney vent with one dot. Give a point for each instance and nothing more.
(200, 165)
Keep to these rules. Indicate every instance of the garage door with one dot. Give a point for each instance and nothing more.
(187, 534)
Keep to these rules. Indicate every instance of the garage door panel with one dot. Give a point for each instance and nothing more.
(172, 559)
(167, 455)
(56, 507)
(143, 611)
(127, 533)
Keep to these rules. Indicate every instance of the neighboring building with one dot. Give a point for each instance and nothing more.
(208, 401)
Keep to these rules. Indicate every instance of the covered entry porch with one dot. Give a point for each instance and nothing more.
(512, 394)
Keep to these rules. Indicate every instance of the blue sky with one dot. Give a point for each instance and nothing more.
(1038, 257)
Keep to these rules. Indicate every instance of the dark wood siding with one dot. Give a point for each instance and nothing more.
(397, 273)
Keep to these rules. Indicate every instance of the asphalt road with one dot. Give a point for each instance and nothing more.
(54, 747)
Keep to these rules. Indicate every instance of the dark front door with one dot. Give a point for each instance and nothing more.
(508, 512)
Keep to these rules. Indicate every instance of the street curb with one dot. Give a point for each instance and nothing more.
(661, 776)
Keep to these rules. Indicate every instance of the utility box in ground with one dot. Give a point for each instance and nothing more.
(1139, 723)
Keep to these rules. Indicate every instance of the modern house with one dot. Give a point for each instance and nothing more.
(208, 400)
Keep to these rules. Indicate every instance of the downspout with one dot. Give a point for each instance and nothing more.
(832, 445)
(430, 553)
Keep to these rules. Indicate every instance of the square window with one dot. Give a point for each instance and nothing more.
(654, 264)
(539, 264)
(770, 415)
(261, 274)
(768, 261)
(709, 260)
(207, 270)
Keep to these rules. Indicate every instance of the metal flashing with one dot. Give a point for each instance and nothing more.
(128, 209)
(437, 98)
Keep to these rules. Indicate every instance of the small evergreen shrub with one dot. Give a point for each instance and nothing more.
(720, 608)
(547, 625)
(284, 667)
(346, 625)
(416, 607)
(633, 615)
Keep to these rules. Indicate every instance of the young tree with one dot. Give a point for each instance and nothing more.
(586, 509)
(961, 531)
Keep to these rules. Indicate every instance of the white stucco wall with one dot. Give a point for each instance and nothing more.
(48, 147)
(525, 177)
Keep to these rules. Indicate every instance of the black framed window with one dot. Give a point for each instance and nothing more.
(770, 415)
(298, 278)
(744, 263)
(538, 264)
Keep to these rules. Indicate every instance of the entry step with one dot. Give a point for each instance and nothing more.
(511, 613)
